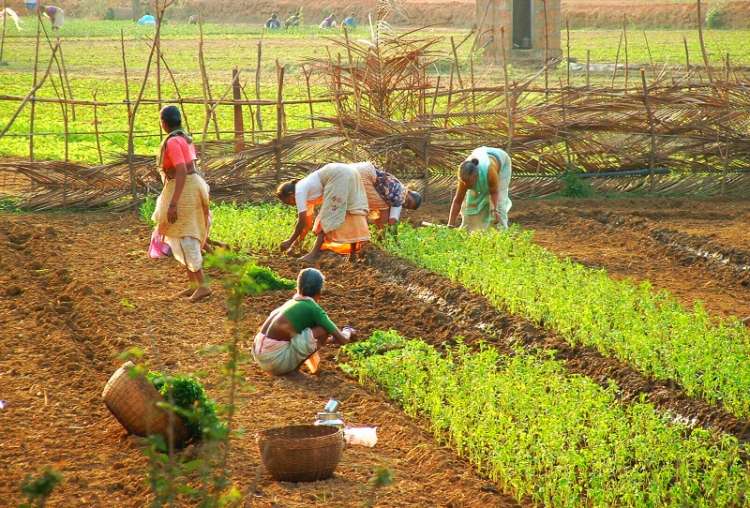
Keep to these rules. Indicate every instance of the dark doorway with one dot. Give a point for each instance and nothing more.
(522, 24)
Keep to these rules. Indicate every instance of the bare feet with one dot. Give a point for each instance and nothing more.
(201, 293)
(184, 293)
(310, 258)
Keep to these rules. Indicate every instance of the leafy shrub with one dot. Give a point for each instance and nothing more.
(37, 490)
(190, 402)
(575, 186)
(147, 209)
(716, 17)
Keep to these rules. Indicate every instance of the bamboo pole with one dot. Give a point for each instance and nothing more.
(455, 59)
(251, 115)
(727, 68)
(64, 112)
(34, 87)
(506, 79)
(239, 125)
(567, 32)
(546, 51)
(279, 117)
(649, 113)
(473, 89)
(180, 99)
(96, 130)
(450, 98)
(703, 44)
(353, 74)
(307, 72)
(563, 108)
(207, 95)
(625, 47)
(650, 56)
(617, 61)
(687, 56)
(257, 85)
(67, 80)
(2, 35)
(588, 68)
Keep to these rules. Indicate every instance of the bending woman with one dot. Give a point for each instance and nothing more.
(293, 334)
(181, 213)
(338, 189)
(482, 193)
(386, 195)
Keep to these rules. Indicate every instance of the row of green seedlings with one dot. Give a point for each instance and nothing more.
(545, 435)
(650, 330)
(645, 328)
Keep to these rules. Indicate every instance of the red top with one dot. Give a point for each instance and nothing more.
(178, 151)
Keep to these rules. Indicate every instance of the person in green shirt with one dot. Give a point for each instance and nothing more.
(293, 334)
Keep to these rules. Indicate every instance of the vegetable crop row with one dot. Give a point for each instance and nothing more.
(560, 439)
(647, 329)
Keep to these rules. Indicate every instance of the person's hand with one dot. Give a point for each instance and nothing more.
(496, 216)
(172, 213)
(286, 246)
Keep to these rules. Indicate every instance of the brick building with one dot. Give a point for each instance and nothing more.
(524, 22)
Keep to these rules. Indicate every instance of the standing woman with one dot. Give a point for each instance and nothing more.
(181, 213)
(482, 193)
(338, 189)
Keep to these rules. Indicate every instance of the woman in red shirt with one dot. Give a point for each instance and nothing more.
(181, 213)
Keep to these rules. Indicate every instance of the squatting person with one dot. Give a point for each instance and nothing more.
(482, 193)
(56, 16)
(338, 190)
(293, 334)
(181, 213)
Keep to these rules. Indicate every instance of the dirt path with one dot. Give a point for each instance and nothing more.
(75, 290)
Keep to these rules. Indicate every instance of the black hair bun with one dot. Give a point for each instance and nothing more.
(475, 162)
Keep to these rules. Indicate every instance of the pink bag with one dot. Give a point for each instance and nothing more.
(158, 248)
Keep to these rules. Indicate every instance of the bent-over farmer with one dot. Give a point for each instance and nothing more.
(386, 195)
(482, 192)
(181, 213)
(293, 334)
(338, 190)
(56, 16)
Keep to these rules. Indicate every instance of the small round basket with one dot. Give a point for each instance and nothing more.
(132, 400)
(301, 453)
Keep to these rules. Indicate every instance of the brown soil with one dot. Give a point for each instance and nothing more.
(75, 290)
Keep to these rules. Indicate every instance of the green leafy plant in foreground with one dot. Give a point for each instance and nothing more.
(649, 330)
(37, 490)
(560, 439)
(189, 400)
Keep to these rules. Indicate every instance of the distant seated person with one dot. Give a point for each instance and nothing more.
(294, 333)
(55, 14)
(147, 19)
(350, 22)
(30, 5)
(329, 22)
(273, 22)
(193, 20)
(292, 21)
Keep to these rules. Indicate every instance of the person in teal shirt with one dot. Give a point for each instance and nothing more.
(482, 195)
(293, 334)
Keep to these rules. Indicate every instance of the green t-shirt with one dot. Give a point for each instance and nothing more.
(306, 313)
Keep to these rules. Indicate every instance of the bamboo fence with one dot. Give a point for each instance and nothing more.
(683, 130)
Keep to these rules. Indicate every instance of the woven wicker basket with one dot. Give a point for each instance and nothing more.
(132, 400)
(301, 453)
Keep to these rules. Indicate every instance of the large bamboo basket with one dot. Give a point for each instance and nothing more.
(301, 453)
(132, 400)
